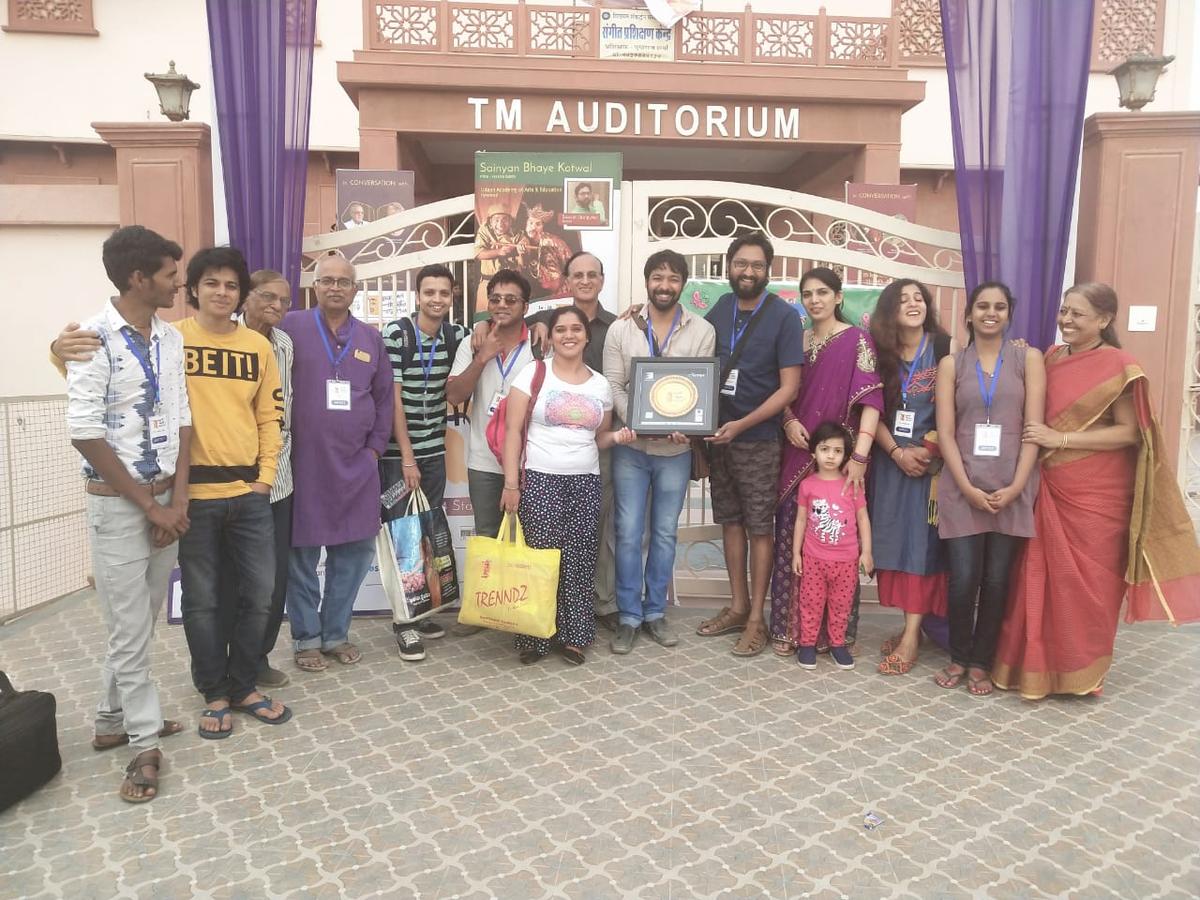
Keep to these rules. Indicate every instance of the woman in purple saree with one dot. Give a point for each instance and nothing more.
(839, 384)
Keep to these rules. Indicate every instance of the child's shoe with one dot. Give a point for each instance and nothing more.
(807, 657)
(841, 657)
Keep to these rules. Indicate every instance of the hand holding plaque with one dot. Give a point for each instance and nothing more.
(673, 394)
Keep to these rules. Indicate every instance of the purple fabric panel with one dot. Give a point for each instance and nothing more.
(1018, 81)
(262, 71)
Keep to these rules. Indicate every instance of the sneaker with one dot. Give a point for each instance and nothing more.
(271, 678)
(624, 639)
(409, 643)
(806, 657)
(661, 632)
(841, 657)
(430, 629)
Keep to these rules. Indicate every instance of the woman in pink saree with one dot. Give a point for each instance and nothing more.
(1110, 521)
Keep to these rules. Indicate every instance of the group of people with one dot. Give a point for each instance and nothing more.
(248, 442)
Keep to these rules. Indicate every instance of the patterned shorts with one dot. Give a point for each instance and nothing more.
(743, 481)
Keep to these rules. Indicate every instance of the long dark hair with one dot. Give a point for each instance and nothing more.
(979, 289)
(830, 279)
(885, 329)
(1104, 301)
(562, 311)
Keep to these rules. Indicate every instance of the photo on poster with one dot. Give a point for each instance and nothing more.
(522, 203)
(365, 196)
(586, 203)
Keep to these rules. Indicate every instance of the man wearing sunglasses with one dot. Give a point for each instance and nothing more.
(483, 375)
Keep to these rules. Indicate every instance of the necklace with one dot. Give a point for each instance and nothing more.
(816, 345)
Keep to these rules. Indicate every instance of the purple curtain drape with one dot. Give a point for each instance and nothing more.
(262, 71)
(1018, 74)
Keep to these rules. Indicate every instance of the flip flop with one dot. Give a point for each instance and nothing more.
(169, 727)
(219, 715)
(346, 653)
(949, 680)
(253, 709)
(980, 687)
(310, 661)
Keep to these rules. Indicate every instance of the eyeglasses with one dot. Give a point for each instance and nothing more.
(327, 281)
(741, 265)
(271, 299)
(506, 299)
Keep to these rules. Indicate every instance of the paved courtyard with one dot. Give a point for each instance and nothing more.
(680, 773)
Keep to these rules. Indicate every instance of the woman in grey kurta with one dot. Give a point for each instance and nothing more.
(985, 395)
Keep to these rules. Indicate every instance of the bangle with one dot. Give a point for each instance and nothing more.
(1063, 445)
(869, 434)
(896, 447)
(509, 487)
(411, 465)
(858, 458)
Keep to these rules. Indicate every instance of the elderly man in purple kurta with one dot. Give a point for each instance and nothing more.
(341, 421)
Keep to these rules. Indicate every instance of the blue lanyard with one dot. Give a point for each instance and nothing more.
(989, 392)
(655, 349)
(738, 332)
(912, 368)
(512, 361)
(328, 347)
(427, 370)
(151, 376)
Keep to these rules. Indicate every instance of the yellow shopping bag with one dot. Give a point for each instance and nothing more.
(510, 586)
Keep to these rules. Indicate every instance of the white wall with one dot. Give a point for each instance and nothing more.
(54, 276)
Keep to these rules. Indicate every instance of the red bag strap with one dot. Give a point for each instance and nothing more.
(539, 377)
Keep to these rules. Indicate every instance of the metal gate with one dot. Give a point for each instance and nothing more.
(697, 219)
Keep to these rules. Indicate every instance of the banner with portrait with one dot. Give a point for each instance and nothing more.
(368, 195)
(534, 210)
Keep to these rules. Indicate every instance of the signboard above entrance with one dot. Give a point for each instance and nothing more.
(634, 34)
(666, 119)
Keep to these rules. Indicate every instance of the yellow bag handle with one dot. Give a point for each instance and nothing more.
(511, 523)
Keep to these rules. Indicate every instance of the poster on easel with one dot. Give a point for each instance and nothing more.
(535, 210)
(896, 200)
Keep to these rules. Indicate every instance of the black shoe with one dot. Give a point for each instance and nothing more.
(529, 657)
(409, 643)
(573, 657)
(430, 629)
(609, 621)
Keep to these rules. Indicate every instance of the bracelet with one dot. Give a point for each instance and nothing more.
(511, 488)
(896, 447)
(869, 434)
(411, 465)
(858, 458)
(1063, 445)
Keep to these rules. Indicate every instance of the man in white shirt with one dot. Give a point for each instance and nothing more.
(128, 416)
(650, 476)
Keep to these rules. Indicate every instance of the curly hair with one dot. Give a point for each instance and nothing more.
(885, 329)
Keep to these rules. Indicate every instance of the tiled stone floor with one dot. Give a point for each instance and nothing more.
(666, 774)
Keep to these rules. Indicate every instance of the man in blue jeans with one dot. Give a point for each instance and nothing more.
(650, 476)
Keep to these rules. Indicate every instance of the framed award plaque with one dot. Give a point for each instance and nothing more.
(679, 394)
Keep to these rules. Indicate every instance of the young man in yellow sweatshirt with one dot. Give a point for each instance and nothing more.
(237, 407)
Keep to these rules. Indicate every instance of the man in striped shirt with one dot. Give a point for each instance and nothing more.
(421, 349)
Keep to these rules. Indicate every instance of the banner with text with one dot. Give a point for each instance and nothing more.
(534, 210)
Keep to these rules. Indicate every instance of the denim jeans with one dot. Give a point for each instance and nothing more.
(324, 622)
(281, 513)
(234, 533)
(653, 487)
(980, 565)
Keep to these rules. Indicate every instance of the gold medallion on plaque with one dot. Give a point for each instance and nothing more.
(673, 396)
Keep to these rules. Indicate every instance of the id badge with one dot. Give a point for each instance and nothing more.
(906, 420)
(729, 388)
(159, 435)
(496, 398)
(337, 395)
(987, 440)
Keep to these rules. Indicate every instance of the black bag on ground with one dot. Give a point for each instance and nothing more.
(28, 742)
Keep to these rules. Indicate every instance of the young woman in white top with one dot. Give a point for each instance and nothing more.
(559, 500)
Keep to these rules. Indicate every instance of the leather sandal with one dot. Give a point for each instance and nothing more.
(783, 648)
(147, 759)
(724, 622)
(345, 653)
(169, 727)
(894, 664)
(310, 661)
(752, 642)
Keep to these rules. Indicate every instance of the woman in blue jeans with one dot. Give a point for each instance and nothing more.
(986, 394)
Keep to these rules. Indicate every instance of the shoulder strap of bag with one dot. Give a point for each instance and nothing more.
(539, 377)
(408, 341)
(741, 345)
(5, 685)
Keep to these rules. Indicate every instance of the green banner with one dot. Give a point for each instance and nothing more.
(700, 295)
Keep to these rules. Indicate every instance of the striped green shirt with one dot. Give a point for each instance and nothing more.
(424, 400)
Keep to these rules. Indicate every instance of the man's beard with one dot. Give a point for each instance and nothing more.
(662, 305)
(748, 293)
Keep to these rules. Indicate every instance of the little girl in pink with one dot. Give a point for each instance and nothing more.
(833, 537)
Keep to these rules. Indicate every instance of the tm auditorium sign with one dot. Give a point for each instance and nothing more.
(666, 119)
